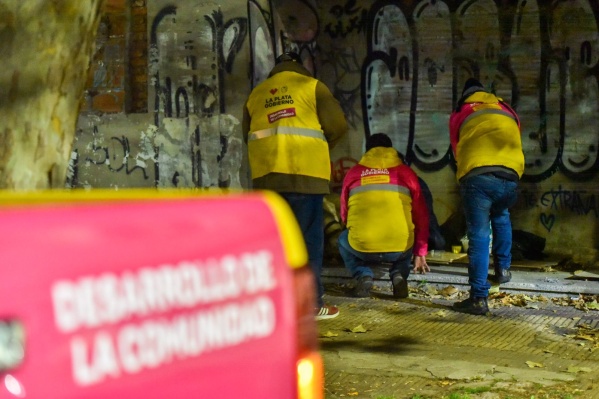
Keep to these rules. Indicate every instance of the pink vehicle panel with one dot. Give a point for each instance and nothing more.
(161, 299)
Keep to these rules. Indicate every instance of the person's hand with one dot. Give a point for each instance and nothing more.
(420, 265)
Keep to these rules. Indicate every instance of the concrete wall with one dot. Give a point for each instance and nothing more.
(167, 114)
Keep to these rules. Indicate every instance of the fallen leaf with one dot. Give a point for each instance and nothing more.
(445, 383)
(430, 290)
(329, 334)
(352, 393)
(573, 369)
(448, 291)
(585, 337)
(358, 329)
(593, 305)
(532, 365)
(440, 313)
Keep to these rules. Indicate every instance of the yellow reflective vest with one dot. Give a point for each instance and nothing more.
(485, 132)
(285, 135)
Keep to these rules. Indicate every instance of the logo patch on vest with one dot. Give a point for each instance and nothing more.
(283, 113)
(375, 176)
(381, 179)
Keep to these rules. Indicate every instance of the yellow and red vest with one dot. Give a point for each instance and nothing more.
(285, 134)
(382, 205)
(486, 132)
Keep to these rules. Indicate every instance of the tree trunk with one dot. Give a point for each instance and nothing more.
(45, 47)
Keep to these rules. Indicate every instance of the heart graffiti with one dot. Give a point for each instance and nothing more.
(547, 221)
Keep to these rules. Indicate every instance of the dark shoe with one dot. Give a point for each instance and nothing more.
(400, 286)
(477, 306)
(502, 275)
(363, 287)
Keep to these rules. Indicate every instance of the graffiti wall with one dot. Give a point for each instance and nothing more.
(395, 66)
(413, 57)
(197, 85)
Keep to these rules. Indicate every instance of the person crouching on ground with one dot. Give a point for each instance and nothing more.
(486, 143)
(386, 217)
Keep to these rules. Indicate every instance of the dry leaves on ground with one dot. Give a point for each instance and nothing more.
(448, 292)
(581, 302)
(532, 364)
(358, 329)
(575, 369)
(519, 300)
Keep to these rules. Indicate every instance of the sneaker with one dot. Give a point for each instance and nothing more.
(326, 312)
(501, 275)
(363, 287)
(400, 286)
(476, 306)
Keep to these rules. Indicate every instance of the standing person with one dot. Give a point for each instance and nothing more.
(486, 143)
(290, 122)
(386, 217)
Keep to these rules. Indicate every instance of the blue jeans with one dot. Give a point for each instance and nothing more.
(485, 199)
(358, 262)
(308, 211)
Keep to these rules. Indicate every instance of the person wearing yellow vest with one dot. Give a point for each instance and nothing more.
(290, 122)
(386, 216)
(486, 143)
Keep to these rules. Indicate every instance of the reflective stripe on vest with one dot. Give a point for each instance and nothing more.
(260, 134)
(380, 187)
(480, 112)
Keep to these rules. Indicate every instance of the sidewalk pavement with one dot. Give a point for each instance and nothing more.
(419, 348)
(532, 278)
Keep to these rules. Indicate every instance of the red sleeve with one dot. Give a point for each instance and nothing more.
(420, 215)
(455, 121)
(345, 195)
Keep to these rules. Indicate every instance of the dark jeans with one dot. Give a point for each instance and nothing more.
(486, 198)
(308, 211)
(358, 263)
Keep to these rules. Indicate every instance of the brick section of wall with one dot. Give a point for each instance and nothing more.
(138, 57)
(105, 87)
(118, 75)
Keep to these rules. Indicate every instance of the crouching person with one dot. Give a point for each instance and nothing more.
(386, 218)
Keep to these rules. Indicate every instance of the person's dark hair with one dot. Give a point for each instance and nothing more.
(471, 86)
(288, 56)
(378, 140)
